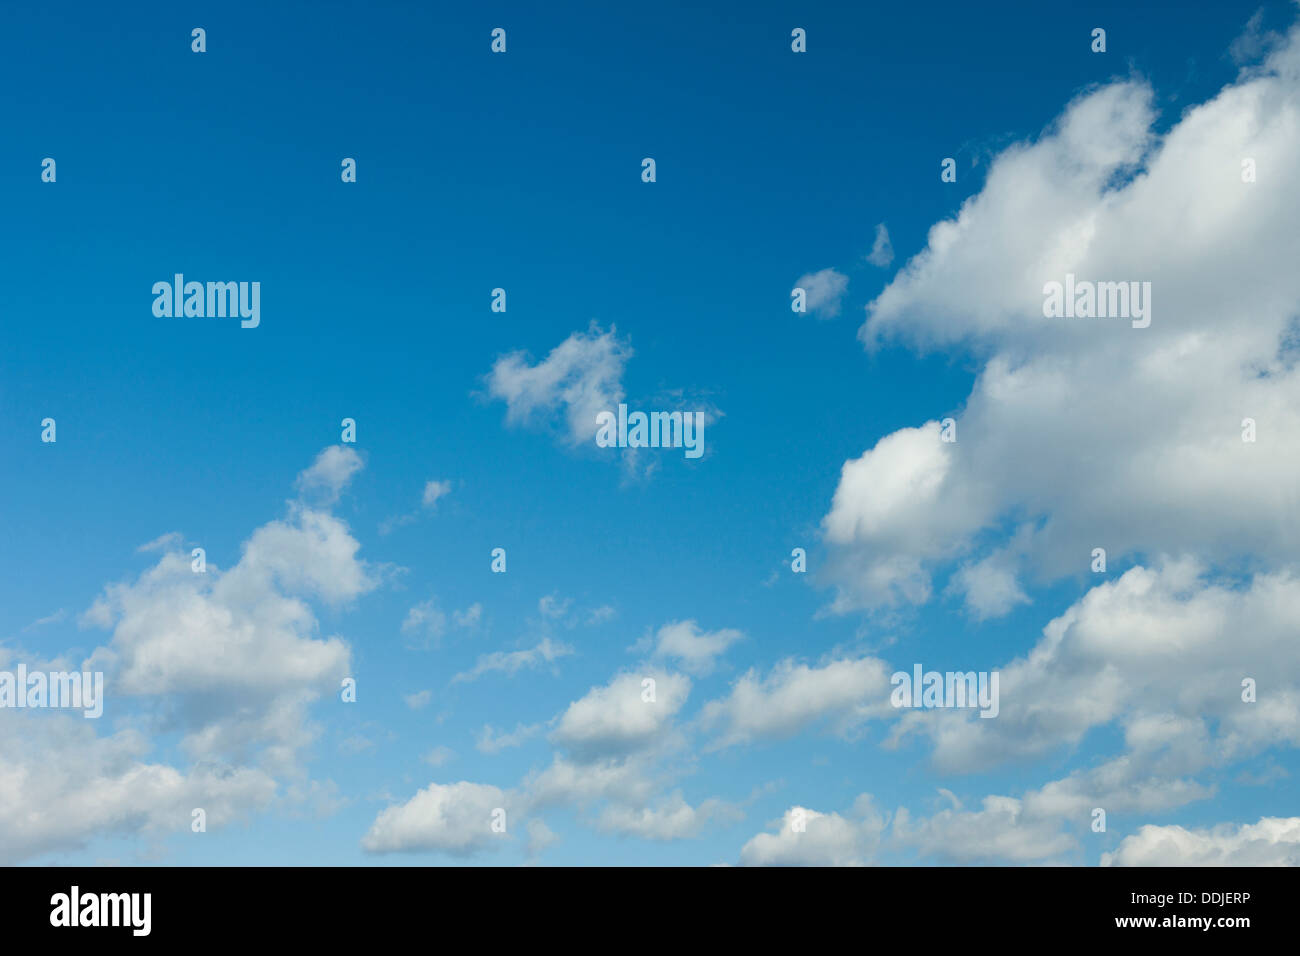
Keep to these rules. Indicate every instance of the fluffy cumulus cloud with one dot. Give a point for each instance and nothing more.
(804, 837)
(998, 832)
(696, 651)
(612, 741)
(989, 587)
(62, 786)
(621, 716)
(1082, 433)
(1163, 656)
(842, 693)
(894, 509)
(1273, 841)
(1003, 830)
(455, 818)
(1160, 653)
(311, 553)
(581, 377)
(1088, 432)
(671, 819)
(621, 780)
(231, 659)
(238, 650)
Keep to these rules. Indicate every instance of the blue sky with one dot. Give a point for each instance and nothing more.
(522, 171)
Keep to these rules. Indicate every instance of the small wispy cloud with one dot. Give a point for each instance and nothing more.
(438, 756)
(54, 618)
(882, 250)
(488, 741)
(419, 700)
(329, 474)
(425, 622)
(434, 491)
(164, 542)
(823, 292)
(511, 662)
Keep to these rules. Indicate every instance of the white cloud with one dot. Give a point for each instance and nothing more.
(1088, 431)
(600, 615)
(511, 662)
(552, 606)
(453, 818)
(540, 836)
(426, 621)
(434, 490)
(672, 818)
(999, 832)
(438, 756)
(1273, 841)
(1003, 831)
(165, 542)
(356, 744)
(565, 782)
(804, 837)
(823, 292)
(894, 507)
(468, 617)
(581, 377)
(1254, 42)
(882, 250)
(62, 787)
(613, 772)
(261, 663)
(1158, 651)
(794, 696)
(234, 661)
(60, 615)
(418, 700)
(696, 650)
(330, 474)
(491, 742)
(989, 587)
(1121, 785)
(312, 552)
(240, 701)
(616, 720)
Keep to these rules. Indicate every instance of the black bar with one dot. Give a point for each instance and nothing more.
(646, 906)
